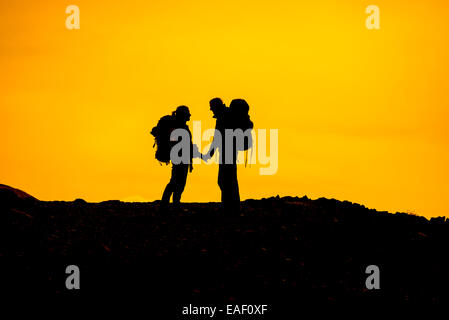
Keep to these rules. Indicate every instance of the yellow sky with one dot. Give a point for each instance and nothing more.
(361, 113)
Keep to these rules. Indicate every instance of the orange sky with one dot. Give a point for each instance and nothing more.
(361, 114)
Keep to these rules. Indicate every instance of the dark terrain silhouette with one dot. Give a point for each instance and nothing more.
(286, 252)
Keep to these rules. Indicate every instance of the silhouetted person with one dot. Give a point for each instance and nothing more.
(179, 172)
(227, 172)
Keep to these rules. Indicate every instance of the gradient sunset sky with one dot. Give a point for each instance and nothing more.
(362, 114)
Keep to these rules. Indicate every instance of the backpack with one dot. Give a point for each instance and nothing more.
(239, 116)
(161, 134)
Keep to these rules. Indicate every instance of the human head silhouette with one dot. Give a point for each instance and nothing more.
(239, 106)
(217, 106)
(182, 113)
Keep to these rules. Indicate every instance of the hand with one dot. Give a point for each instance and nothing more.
(205, 157)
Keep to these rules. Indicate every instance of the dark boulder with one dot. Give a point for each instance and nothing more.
(14, 198)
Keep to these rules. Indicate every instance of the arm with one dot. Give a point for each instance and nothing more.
(214, 145)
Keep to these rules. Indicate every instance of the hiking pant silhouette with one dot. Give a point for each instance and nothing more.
(176, 185)
(227, 181)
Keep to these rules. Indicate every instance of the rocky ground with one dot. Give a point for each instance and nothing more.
(285, 252)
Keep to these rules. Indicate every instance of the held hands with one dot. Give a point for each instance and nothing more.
(205, 157)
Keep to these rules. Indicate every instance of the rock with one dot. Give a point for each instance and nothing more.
(79, 202)
(10, 197)
(438, 220)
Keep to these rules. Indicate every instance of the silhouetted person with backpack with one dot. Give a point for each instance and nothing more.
(231, 119)
(165, 127)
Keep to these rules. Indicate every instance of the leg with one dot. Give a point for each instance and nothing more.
(169, 189)
(167, 194)
(180, 182)
(221, 182)
(234, 197)
(227, 180)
